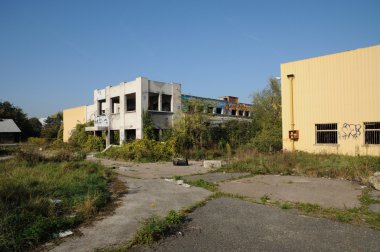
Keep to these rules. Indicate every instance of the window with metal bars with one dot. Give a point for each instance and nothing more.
(372, 132)
(326, 133)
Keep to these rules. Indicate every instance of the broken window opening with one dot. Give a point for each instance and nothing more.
(130, 102)
(156, 134)
(153, 101)
(246, 113)
(241, 113)
(130, 135)
(210, 110)
(102, 107)
(115, 105)
(115, 137)
(326, 133)
(233, 112)
(166, 101)
(372, 132)
(218, 111)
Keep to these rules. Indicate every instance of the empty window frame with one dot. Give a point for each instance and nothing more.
(166, 102)
(372, 132)
(130, 135)
(101, 107)
(241, 113)
(115, 105)
(326, 133)
(130, 102)
(246, 113)
(218, 111)
(153, 101)
(233, 112)
(210, 110)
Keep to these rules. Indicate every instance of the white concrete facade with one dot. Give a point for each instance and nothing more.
(120, 108)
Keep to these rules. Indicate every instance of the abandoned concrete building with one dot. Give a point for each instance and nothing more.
(118, 110)
(330, 104)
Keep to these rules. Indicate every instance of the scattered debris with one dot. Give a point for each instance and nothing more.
(186, 185)
(169, 180)
(180, 162)
(363, 187)
(375, 180)
(213, 163)
(55, 201)
(63, 234)
(179, 182)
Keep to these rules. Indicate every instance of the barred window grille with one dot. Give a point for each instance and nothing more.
(326, 133)
(372, 132)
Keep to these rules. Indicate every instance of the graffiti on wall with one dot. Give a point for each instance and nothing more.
(192, 101)
(351, 130)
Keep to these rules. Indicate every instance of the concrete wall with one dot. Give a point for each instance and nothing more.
(340, 88)
(71, 117)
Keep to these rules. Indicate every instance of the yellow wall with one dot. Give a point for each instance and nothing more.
(338, 88)
(71, 117)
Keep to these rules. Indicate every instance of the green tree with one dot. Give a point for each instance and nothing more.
(52, 126)
(36, 127)
(148, 128)
(266, 114)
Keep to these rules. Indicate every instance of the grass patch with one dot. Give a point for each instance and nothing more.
(264, 198)
(40, 199)
(203, 183)
(301, 163)
(155, 228)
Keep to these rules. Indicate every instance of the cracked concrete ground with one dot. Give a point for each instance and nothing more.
(145, 197)
(322, 191)
(227, 224)
(152, 170)
(217, 177)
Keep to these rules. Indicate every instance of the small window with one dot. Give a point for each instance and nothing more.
(153, 101)
(372, 132)
(115, 105)
(241, 112)
(130, 102)
(218, 111)
(246, 113)
(233, 112)
(101, 107)
(130, 135)
(210, 110)
(326, 133)
(166, 102)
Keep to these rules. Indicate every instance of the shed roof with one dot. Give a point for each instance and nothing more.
(9, 126)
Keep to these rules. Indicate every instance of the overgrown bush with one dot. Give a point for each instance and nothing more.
(33, 156)
(85, 141)
(141, 150)
(39, 201)
(301, 163)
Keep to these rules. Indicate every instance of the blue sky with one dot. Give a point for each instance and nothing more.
(53, 54)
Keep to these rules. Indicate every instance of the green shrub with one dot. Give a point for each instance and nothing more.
(141, 150)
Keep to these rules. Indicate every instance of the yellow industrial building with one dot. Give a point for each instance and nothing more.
(331, 103)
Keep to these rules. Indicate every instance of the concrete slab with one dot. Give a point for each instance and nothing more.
(227, 224)
(153, 170)
(216, 177)
(145, 197)
(321, 191)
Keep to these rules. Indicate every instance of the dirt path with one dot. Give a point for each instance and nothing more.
(145, 197)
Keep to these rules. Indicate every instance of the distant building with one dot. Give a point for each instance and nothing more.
(119, 109)
(9, 132)
(331, 104)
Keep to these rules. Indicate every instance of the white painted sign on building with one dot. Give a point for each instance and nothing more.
(101, 121)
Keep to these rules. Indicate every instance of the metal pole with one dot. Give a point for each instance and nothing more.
(291, 78)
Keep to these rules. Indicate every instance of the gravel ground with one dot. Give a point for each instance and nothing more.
(227, 224)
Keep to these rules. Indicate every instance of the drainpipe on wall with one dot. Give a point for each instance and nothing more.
(291, 78)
